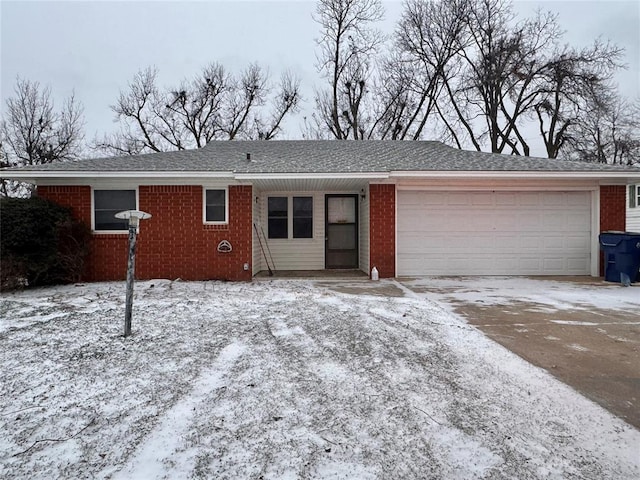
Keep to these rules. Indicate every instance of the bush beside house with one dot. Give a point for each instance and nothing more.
(40, 243)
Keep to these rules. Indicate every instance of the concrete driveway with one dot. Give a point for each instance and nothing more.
(584, 331)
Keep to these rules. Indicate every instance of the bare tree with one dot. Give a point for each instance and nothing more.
(428, 38)
(285, 102)
(32, 132)
(608, 131)
(505, 75)
(347, 42)
(215, 105)
(465, 71)
(6, 186)
(572, 86)
(491, 97)
(627, 135)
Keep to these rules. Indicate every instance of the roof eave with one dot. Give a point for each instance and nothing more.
(528, 174)
(33, 175)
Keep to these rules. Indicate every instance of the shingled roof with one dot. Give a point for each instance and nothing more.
(322, 156)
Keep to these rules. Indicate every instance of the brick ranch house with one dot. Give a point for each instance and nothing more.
(407, 208)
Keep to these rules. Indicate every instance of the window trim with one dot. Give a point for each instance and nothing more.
(93, 209)
(226, 206)
(634, 195)
(288, 217)
(293, 217)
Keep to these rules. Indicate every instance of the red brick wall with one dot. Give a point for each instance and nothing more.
(174, 243)
(613, 211)
(382, 229)
(78, 198)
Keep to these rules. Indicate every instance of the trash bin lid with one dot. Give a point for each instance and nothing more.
(611, 239)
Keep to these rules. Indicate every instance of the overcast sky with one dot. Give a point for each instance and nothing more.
(95, 47)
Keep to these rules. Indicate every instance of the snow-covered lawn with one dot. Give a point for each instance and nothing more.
(281, 379)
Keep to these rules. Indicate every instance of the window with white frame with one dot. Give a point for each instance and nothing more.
(634, 196)
(106, 203)
(290, 214)
(302, 217)
(215, 205)
(278, 217)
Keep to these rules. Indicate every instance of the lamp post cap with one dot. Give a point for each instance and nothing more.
(133, 214)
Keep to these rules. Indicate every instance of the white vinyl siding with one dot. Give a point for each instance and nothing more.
(494, 233)
(364, 233)
(633, 213)
(258, 258)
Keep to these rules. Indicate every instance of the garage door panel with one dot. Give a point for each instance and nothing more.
(578, 243)
(413, 202)
(459, 200)
(482, 199)
(528, 221)
(553, 199)
(550, 243)
(577, 265)
(529, 264)
(550, 263)
(529, 199)
(529, 242)
(502, 243)
(505, 199)
(578, 220)
(503, 223)
(575, 199)
(554, 221)
(494, 233)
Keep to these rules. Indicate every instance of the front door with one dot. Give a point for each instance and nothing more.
(341, 227)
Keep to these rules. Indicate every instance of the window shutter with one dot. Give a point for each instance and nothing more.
(633, 196)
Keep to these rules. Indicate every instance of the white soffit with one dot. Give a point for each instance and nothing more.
(309, 184)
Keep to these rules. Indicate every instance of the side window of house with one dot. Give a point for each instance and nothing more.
(215, 206)
(278, 217)
(634, 196)
(302, 217)
(106, 203)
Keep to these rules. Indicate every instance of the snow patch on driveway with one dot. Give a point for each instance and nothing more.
(546, 294)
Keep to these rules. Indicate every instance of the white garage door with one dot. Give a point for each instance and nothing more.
(494, 233)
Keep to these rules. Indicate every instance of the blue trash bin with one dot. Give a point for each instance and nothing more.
(621, 256)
